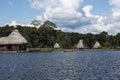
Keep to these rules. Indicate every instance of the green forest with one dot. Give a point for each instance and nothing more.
(46, 36)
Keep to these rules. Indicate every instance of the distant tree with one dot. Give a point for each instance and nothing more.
(103, 38)
(5, 30)
(48, 23)
(118, 39)
(89, 40)
(47, 36)
(36, 23)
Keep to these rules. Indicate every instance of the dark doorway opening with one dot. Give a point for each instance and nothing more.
(9, 46)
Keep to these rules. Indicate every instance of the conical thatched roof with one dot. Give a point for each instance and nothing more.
(80, 44)
(97, 45)
(56, 45)
(14, 38)
(15, 33)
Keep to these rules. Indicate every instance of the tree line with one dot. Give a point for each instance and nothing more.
(46, 36)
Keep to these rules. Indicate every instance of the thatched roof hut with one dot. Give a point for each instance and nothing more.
(80, 45)
(56, 45)
(14, 38)
(97, 45)
(15, 41)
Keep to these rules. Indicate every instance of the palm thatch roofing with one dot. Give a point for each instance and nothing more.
(97, 45)
(56, 45)
(14, 38)
(80, 44)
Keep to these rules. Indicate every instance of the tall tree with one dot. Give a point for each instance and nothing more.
(36, 23)
(48, 23)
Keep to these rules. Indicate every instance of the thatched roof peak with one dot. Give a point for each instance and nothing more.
(97, 45)
(56, 45)
(80, 44)
(15, 33)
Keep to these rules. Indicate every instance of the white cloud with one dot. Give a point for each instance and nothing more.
(15, 23)
(38, 4)
(70, 4)
(87, 10)
(115, 3)
(97, 22)
(59, 11)
(116, 7)
(71, 16)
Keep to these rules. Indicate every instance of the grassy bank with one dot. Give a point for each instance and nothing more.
(39, 49)
(47, 49)
(65, 50)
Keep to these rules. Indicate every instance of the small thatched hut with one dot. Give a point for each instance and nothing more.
(97, 45)
(15, 41)
(80, 45)
(56, 45)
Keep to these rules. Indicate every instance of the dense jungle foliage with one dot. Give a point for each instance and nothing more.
(46, 36)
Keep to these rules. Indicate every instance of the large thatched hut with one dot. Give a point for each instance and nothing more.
(80, 45)
(97, 45)
(56, 46)
(15, 41)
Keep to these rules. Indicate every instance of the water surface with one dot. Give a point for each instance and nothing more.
(59, 65)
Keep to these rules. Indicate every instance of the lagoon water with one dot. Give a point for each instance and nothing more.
(59, 65)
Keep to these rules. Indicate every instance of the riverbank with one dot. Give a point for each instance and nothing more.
(52, 49)
(65, 50)
(40, 49)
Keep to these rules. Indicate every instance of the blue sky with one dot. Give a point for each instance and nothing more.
(100, 6)
(18, 10)
(70, 15)
(21, 11)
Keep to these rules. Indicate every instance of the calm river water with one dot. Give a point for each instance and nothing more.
(59, 65)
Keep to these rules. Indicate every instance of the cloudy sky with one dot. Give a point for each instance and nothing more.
(81, 16)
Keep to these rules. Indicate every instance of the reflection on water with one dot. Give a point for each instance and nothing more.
(58, 65)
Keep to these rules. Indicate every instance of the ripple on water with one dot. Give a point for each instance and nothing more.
(58, 65)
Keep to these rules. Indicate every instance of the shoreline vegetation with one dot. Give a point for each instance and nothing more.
(44, 38)
(65, 50)
(60, 49)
